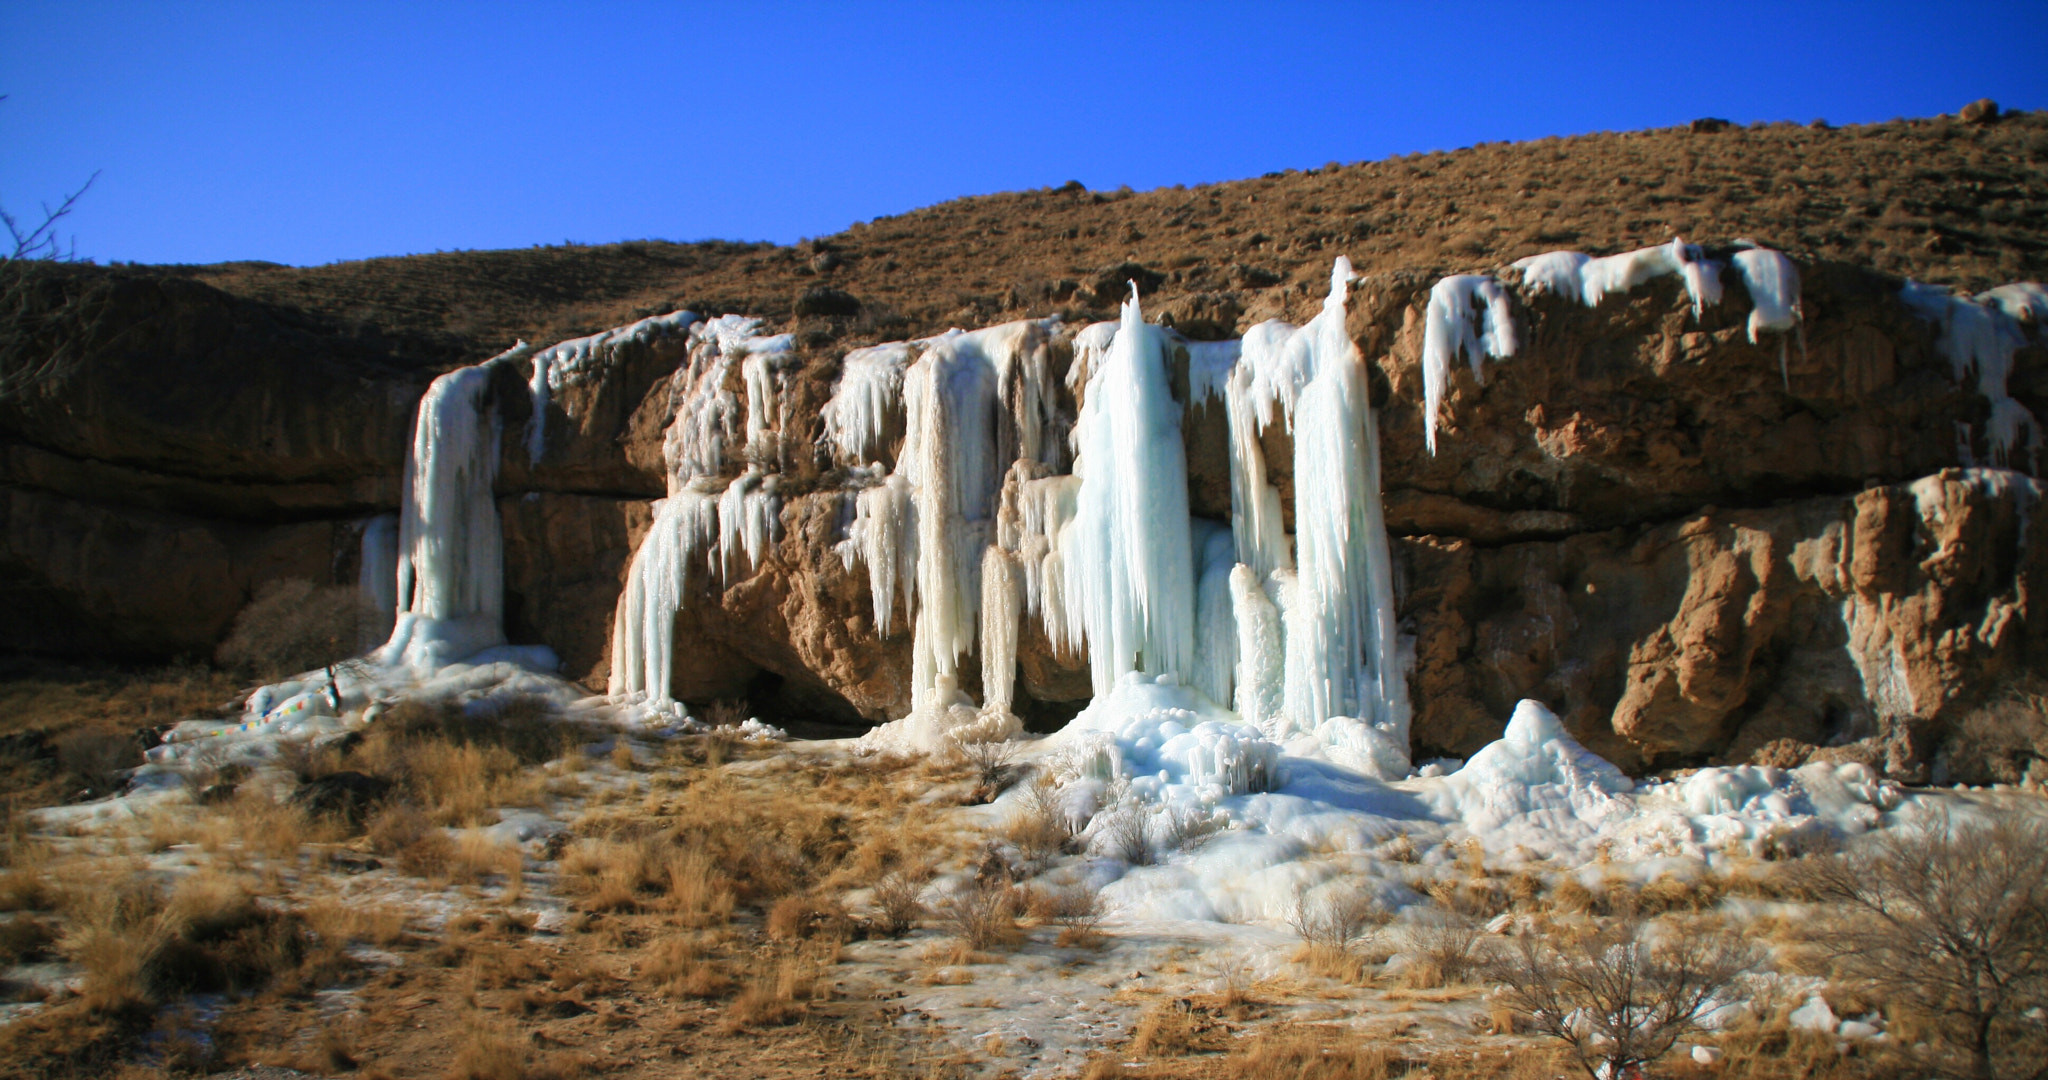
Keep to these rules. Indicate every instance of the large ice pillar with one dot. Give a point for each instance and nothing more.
(1341, 553)
(451, 577)
(1320, 640)
(1128, 564)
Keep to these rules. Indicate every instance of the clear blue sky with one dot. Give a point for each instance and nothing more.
(307, 133)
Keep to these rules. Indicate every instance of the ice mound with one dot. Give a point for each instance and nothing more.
(1534, 778)
(946, 719)
(1156, 732)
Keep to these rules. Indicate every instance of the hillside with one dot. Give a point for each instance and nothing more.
(1934, 199)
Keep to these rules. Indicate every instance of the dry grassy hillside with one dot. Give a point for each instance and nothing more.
(1937, 199)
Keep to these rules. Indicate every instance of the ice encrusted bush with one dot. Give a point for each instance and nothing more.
(292, 625)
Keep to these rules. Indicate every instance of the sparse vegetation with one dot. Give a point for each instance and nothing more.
(1618, 993)
(290, 626)
(1947, 925)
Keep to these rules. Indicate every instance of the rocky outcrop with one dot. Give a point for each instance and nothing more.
(1689, 551)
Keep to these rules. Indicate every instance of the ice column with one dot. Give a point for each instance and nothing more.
(377, 579)
(1128, 564)
(450, 570)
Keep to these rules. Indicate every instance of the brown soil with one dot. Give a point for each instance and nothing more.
(1936, 199)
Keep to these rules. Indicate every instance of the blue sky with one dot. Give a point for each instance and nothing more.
(307, 133)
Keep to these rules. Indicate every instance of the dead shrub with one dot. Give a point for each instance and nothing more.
(1445, 948)
(779, 987)
(1617, 1001)
(615, 875)
(806, 916)
(1947, 920)
(698, 893)
(1040, 828)
(982, 914)
(98, 758)
(988, 762)
(896, 900)
(487, 1052)
(1315, 1055)
(679, 965)
(26, 939)
(2001, 741)
(332, 919)
(292, 625)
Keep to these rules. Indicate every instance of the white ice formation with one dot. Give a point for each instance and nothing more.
(450, 574)
(578, 359)
(1980, 334)
(1455, 304)
(724, 527)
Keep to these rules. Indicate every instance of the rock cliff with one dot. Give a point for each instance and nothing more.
(1693, 553)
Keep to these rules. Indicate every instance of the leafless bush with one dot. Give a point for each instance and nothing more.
(1120, 829)
(989, 761)
(982, 913)
(1949, 921)
(2000, 742)
(1078, 910)
(1040, 827)
(896, 895)
(1338, 920)
(292, 625)
(1445, 946)
(1617, 999)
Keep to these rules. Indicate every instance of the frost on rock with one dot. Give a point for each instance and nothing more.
(1592, 280)
(574, 361)
(1980, 334)
(1456, 304)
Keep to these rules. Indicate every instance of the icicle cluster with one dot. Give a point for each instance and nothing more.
(1455, 305)
(725, 527)
(1981, 334)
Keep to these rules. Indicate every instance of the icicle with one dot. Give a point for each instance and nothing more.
(1448, 330)
(1773, 284)
(887, 531)
(1001, 613)
(1129, 575)
(1261, 652)
(864, 419)
(377, 579)
(1271, 370)
(748, 520)
(1981, 335)
(451, 577)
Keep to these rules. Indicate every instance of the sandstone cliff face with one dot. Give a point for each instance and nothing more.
(1640, 518)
